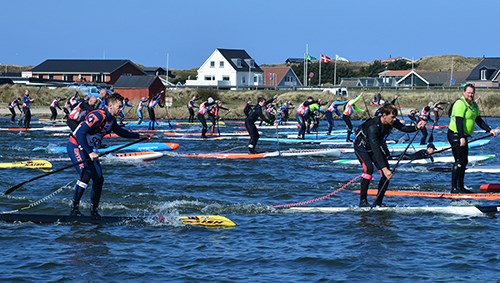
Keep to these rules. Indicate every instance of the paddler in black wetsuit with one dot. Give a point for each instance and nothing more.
(253, 116)
(370, 148)
(421, 154)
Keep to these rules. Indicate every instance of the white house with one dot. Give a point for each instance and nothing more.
(229, 68)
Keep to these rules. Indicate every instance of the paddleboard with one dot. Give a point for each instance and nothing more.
(160, 124)
(209, 221)
(475, 169)
(286, 153)
(34, 164)
(313, 136)
(338, 142)
(177, 134)
(443, 159)
(164, 146)
(138, 156)
(55, 129)
(490, 187)
(478, 196)
(457, 210)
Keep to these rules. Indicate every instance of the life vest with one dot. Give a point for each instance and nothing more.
(94, 137)
(425, 115)
(54, 103)
(204, 108)
(301, 109)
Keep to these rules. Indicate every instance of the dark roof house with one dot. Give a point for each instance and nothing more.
(486, 73)
(136, 87)
(90, 71)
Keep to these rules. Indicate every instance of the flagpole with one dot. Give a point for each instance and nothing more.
(320, 59)
(335, 71)
(306, 63)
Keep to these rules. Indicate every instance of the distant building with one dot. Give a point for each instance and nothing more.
(294, 60)
(229, 68)
(486, 73)
(280, 77)
(431, 79)
(136, 87)
(86, 71)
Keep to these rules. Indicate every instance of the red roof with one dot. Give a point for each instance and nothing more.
(277, 72)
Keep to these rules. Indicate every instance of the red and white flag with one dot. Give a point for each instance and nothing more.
(325, 59)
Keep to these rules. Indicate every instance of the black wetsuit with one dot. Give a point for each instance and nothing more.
(370, 148)
(253, 116)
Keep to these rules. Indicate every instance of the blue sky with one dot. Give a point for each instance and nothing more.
(269, 30)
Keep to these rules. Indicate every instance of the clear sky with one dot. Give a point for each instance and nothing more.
(269, 30)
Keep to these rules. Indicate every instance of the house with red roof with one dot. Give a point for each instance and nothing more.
(280, 77)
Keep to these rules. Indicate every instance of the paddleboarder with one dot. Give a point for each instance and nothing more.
(27, 100)
(425, 115)
(190, 107)
(256, 113)
(53, 108)
(143, 103)
(82, 142)
(333, 108)
(205, 108)
(370, 148)
(302, 116)
(464, 114)
(151, 109)
(350, 107)
(15, 103)
(77, 115)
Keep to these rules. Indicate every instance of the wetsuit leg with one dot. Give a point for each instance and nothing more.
(348, 123)
(302, 126)
(27, 117)
(366, 161)
(254, 136)
(329, 118)
(460, 153)
(13, 116)
(191, 115)
(139, 115)
(54, 113)
(424, 135)
(204, 126)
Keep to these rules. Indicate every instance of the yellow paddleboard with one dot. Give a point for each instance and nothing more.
(34, 164)
(209, 221)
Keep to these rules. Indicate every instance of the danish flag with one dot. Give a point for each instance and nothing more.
(325, 59)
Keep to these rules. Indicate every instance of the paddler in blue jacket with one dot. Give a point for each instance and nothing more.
(370, 148)
(82, 142)
(256, 113)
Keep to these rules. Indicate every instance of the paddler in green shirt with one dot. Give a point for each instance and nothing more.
(464, 114)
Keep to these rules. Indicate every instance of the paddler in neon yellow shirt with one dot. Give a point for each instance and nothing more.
(464, 114)
(350, 107)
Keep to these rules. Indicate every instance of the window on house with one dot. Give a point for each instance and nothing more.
(221, 64)
(243, 80)
(225, 78)
(212, 64)
(252, 63)
(51, 77)
(208, 78)
(483, 75)
(255, 79)
(238, 63)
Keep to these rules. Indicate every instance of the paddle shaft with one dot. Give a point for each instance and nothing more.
(13, 188)
(450, 147)
(381, 193)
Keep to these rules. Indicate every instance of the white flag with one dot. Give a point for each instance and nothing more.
(338, 58)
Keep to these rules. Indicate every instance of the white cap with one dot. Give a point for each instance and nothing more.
(210, 100)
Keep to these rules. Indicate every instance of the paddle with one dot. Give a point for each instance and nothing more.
(381, 193)
(13, 188)
(431, 137)
(278, 139)
(473, 140)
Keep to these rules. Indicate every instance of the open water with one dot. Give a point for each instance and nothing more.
(267, 245)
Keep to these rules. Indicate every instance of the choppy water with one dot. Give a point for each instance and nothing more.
(266, 245)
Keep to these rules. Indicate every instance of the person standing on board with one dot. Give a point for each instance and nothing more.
(464, 114)
(247, 108)
(302, 116)
(190, 107)
(333, 108)
(122, 113)
(371, 149)
(350, 107)
(15, 103)
(27, 108)
(77, 115)
(204, 109)
(143, 103)
(256, 113)
(425, 115)
(151, 109)
(82, 142)
(53, 108)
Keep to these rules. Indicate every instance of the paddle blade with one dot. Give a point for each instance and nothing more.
(13, 188)
(209, 221)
